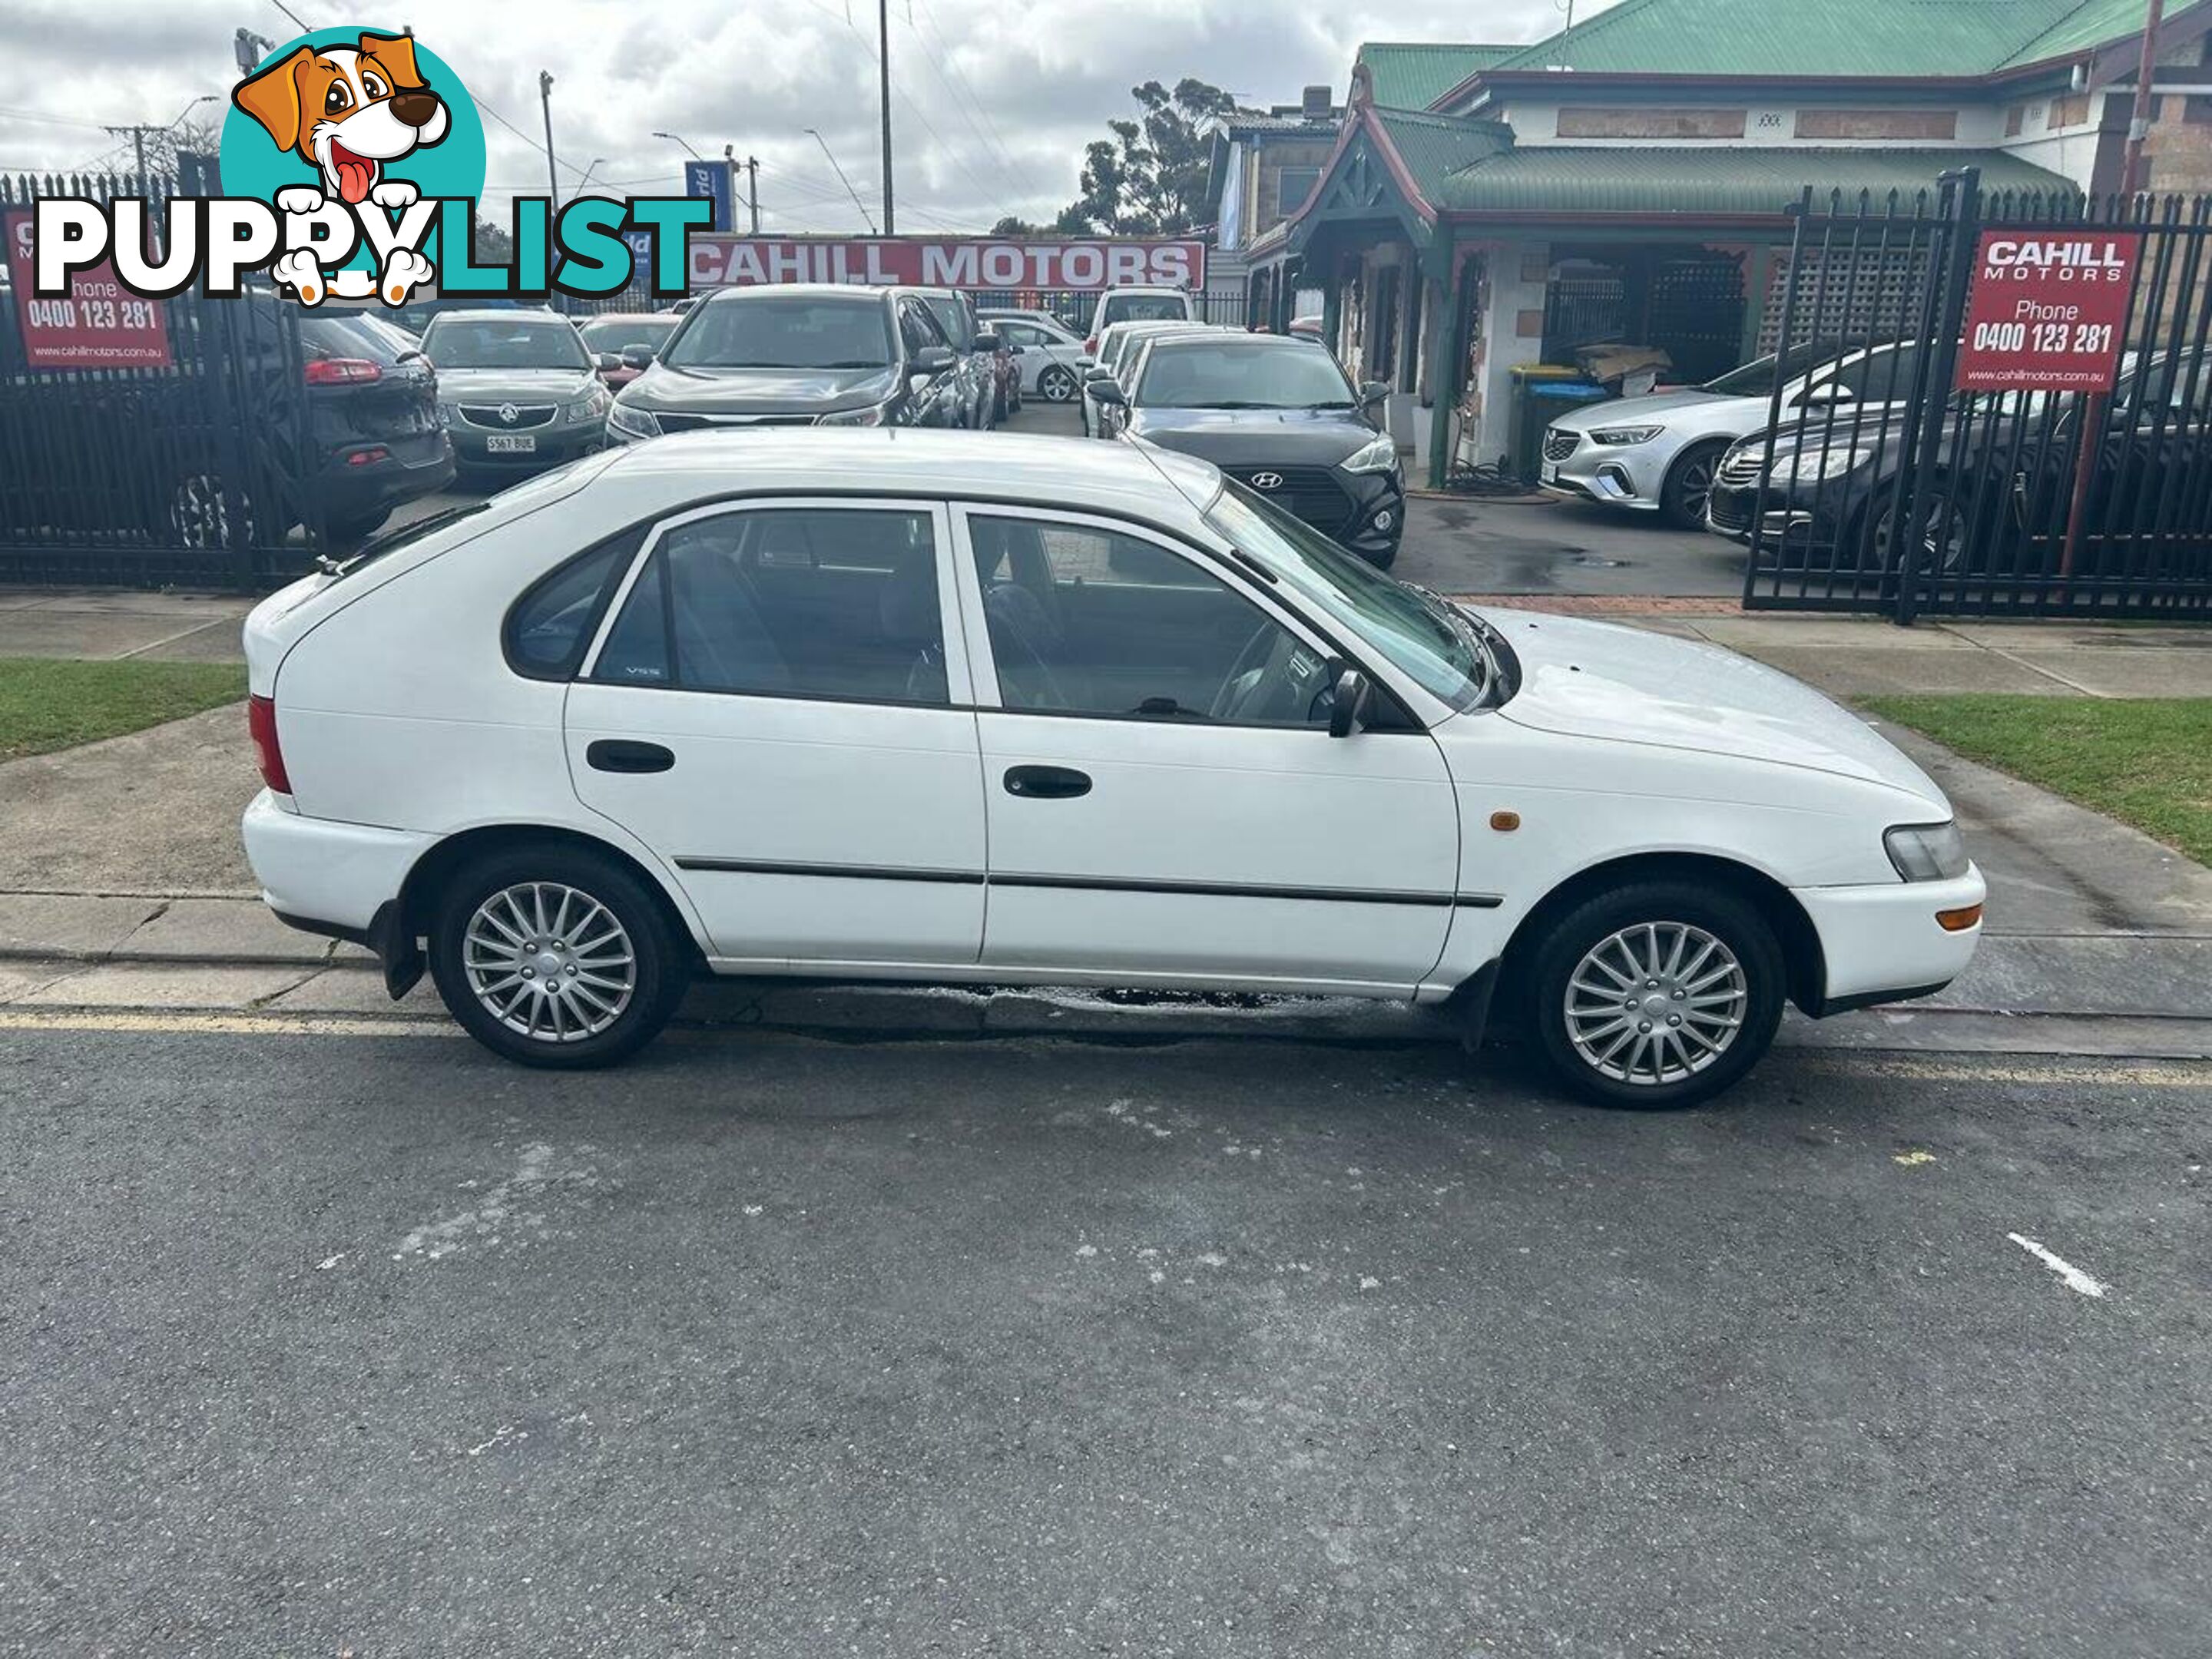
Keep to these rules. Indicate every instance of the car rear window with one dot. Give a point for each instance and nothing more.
(1145, 307)
(551, 626)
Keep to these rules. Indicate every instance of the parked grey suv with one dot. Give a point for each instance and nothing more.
(956, 317)
(806, 355)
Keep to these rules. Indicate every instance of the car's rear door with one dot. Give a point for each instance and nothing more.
(1165, 800)
(772, 707)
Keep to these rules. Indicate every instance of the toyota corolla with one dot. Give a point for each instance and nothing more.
(925, 705)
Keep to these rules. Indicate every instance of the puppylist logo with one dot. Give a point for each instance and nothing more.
(352, 159)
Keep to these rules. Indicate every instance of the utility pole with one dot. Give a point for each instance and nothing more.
(751, 165)
(2093, 416)
(883, 66)
(545, 98)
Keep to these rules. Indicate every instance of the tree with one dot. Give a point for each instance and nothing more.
(1013, 225)
(1150, 179)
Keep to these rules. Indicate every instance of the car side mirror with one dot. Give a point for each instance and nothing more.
(986, 344)
(1096, 373)
(604, 361)
(932, 360)
(1826, 393)
(1349, 707)
(636, 357)
(1107, 392)
(1373, 393)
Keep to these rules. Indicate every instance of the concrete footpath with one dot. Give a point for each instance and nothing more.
(123, 885)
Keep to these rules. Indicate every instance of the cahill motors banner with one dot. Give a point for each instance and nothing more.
(969, 262)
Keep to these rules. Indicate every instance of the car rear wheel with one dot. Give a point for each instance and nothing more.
(1056, 384)
(1657, 995)
(557, 957)
(1947, 542)
(1689, 481)
(198, 513)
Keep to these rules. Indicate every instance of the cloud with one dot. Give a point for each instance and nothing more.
(993, 102)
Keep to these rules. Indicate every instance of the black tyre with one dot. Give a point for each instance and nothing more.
(1657, 994)
(1689, 481)
(511, 924)
(1057, 385)
(1948, 542)
(998, 408)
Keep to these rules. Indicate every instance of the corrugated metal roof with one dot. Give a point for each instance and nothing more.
(1434, 147)
(1713, 180)
(1824, 38)
(1412, 74)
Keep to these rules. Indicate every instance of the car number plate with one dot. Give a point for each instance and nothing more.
(512, 443)
(1550, 475)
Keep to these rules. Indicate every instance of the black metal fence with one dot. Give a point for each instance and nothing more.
(1877, 487)
(185, 469)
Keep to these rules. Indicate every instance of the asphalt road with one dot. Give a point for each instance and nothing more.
(369, 1345)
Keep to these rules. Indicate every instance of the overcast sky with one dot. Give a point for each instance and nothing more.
(993, 101)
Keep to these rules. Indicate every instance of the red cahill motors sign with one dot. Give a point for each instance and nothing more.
(968, 262)
(2049, 309)
(100, 324)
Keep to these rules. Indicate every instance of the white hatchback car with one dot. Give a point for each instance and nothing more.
(925, 705)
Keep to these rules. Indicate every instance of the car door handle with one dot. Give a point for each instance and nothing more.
(621, 755)
(1047, 782)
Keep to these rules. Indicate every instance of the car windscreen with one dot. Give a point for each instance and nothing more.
(626, 333)
(509, 343)
(1144, 307)
(1756, 379)
(335, 334)
(1235, 373)
(768, 331)
(1437, 653)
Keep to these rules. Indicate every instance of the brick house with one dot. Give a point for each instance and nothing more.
(1630, 179)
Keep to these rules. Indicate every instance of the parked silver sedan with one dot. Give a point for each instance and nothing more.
(1657, 453)
(1052, 357)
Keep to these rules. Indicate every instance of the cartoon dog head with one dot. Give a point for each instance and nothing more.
(346, 110)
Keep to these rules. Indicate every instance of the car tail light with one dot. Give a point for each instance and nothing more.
(368, 457)
(1091, 345)
(341, 371)
(261, 723)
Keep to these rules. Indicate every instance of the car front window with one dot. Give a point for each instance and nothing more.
(455, 344)
(1243, 375)
(1433, 645)
(775, 331)
(626, 333)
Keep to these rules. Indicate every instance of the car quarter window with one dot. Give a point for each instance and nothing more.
(551, 626)
(799, 602)
(1084, 620)
(917, 327)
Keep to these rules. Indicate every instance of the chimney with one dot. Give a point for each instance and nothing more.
(1316, 102)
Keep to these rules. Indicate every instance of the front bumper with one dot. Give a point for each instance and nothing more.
(1883, 943)
(320, 871)
(555, 444)
(1630, 476)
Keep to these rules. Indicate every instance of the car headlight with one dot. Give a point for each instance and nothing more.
(868, 414)
(632, 422)
(1378, 455)
(589, 407)
(1927, 852)
(1811, 465)
(1619, 437)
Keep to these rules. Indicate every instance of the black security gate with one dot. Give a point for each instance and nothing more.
(185, 472)
(1876, 486)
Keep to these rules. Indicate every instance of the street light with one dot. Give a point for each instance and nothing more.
(843, 180)
(678, 138)
(597, 161)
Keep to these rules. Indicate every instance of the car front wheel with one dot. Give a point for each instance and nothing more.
(1657, 995)
(1689, 481)
(557, 957)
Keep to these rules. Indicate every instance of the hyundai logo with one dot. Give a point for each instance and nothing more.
(509, 413)
(1267, 481)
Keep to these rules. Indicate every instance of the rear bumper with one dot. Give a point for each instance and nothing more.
(1883, 942)
(331, 878)
(408, 467)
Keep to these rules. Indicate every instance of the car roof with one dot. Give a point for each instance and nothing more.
(497, 315)
(622, 316)
(876, 291)
(1071, 474)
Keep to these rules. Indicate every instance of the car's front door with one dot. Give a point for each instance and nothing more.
(1163, 797)
(772, 708)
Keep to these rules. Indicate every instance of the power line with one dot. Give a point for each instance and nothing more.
(947, 60)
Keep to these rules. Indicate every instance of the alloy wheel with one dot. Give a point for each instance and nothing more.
(199, 513)
(1056, 385)
(1655, 1003)
(550, 961)
(1693, 483)
(1942, 543)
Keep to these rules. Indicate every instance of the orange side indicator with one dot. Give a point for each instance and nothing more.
(1505, 820)
(1957, 921)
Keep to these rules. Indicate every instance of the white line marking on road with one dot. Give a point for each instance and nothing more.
(2075, 1277)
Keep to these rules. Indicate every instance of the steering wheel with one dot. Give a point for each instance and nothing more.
(1238, 684)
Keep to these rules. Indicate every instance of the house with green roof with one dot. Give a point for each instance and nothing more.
(1632, 180)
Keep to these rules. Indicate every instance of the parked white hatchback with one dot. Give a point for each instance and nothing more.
(911, 705)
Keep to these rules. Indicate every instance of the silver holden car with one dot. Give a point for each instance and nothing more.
(1657, 453)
